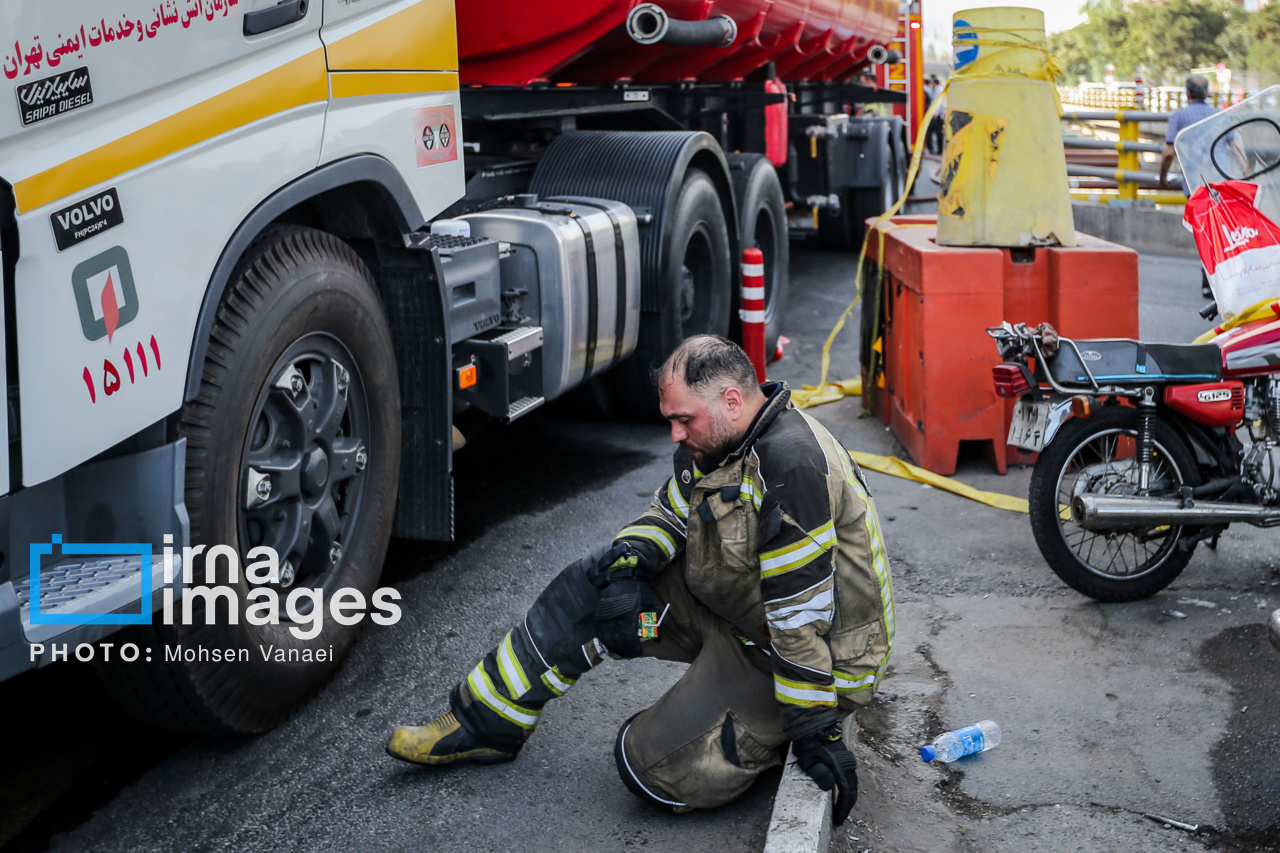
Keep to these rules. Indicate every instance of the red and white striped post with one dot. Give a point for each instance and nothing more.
(752, 312)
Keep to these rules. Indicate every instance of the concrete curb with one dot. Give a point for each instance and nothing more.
(801, 820)
(1139, 228)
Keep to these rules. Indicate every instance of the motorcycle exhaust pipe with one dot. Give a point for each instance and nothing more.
(650, 24)
(1100, 512)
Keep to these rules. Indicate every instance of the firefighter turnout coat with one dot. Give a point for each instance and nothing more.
(782, 541)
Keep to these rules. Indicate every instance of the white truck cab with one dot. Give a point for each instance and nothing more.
(203, 210)
(250, 280)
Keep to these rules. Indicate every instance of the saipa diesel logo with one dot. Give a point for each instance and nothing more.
(130, 568)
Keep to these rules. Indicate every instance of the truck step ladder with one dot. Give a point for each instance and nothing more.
(85, 586)
(523, 406)
(507, 371)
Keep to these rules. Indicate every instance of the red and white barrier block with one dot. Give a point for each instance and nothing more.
(752, 311)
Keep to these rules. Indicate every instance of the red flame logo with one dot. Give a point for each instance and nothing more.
(110, 308)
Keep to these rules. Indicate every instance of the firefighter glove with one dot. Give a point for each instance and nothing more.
(830, 764)
(622, 577)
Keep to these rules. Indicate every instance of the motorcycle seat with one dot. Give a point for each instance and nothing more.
(1126, 361)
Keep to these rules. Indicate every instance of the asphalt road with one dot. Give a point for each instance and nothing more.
(1169, 706)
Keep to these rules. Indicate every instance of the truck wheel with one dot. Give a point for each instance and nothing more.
(293, 442)
(762, 218)
(695, 287)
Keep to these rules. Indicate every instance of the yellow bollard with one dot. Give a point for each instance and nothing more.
(1004, 171)
(1128, 160)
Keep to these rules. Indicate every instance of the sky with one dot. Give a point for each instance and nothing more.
(1058, 15)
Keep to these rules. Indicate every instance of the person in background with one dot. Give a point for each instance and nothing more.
(933, 136)
(1195, 110)
(868, 78)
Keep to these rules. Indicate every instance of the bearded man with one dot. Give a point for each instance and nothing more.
(760, 563)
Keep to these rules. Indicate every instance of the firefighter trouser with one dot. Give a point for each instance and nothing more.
(701, 745)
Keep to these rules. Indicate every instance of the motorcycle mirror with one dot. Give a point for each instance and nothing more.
(1247, 150)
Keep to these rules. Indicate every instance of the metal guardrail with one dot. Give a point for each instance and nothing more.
(1121, 175)
(1128, 173)
(1108, 145)
(1120, 115)
(1125, 96)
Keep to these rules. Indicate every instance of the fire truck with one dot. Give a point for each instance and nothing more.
(258, 256)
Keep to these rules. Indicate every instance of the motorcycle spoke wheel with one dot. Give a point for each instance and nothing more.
(1107, 464)
(1098, 456)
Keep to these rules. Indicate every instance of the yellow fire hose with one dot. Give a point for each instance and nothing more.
(895, 467)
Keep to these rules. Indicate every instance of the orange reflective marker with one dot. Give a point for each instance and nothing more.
(467, 376)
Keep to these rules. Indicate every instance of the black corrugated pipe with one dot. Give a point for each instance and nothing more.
(650, 24)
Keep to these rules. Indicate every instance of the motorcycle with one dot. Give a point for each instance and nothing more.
(1139, 458)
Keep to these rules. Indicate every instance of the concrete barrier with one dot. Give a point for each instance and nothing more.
(801, 821)
(1143, 229)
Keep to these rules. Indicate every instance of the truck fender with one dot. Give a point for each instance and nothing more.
(412, 289)
(361, 169)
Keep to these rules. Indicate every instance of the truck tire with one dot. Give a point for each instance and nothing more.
(695, 296)
(762, 220)
(301, 311)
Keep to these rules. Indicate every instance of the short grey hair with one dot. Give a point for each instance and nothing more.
(709, 365)
(1197, 87)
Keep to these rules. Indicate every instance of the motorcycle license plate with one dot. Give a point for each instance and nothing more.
(1029, 424)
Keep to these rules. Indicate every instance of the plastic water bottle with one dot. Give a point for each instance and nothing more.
(970, 740)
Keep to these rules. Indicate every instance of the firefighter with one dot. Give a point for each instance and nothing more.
(760, 563)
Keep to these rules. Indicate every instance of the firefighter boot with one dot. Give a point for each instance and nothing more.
(442, 741)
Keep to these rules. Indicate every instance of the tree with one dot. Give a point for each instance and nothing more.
(1253, 43)
(1173, 37)
(1169, 38)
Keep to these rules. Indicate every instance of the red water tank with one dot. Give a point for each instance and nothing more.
(515, 43)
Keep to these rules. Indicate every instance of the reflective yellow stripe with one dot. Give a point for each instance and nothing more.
(512, 673)
(747, 492)
(800, 693)
(293, 84)
(656, 535)
(556, 682)
(846, 683)
(482, 688)
(421, 37)
(353, 84)
(791, 557)
(846, 464)
(677, 501)
(880, 564)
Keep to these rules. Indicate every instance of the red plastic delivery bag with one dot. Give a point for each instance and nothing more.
(1238, 245)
